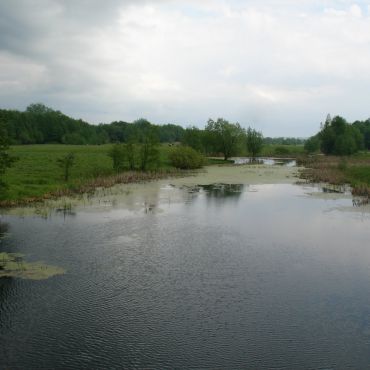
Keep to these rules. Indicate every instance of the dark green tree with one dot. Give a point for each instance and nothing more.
(6, 160)
(340, 138)
(254, 141)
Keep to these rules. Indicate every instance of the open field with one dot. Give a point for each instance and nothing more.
(37, 173)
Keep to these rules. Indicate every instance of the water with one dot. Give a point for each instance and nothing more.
(226, 276)
(289, 162)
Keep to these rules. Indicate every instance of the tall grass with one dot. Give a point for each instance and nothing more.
(353, 170)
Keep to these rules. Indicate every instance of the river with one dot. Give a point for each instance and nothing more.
(249, 272)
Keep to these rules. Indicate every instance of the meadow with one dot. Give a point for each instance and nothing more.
(36, 173)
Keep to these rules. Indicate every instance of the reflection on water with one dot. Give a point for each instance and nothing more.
(219, 276)
(267, 161)
(223, 190)
(4, 228)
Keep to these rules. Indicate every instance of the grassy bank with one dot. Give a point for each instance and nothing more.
(36, 174)
(353, 170)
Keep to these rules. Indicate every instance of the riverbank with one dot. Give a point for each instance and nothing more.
(135, 195)
(354, 170)
(36, 175)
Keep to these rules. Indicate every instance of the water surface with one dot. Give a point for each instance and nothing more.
(225, 275)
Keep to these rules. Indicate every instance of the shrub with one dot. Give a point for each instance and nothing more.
(281, 150)
(186, 158)
(118, 155)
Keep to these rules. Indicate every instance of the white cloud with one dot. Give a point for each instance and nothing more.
(273, 64)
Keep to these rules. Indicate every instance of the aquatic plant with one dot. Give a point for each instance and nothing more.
(14, 265)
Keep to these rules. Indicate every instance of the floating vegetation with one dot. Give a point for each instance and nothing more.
(13, 265)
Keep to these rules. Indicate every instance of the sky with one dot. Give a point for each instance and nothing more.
(279, 66)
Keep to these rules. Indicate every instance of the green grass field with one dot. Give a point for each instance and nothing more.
(37, 173)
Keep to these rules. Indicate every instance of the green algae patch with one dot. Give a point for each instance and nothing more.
(14, 265)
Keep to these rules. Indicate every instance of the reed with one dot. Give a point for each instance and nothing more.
(353, 170)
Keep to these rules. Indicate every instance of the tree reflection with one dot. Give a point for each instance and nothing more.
(223, 191)
(4, 229)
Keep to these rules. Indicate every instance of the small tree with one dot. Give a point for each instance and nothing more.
(66, 163)
(118, 155)
(131, 151)
(6, 160)
(148, 148)
(254, 142)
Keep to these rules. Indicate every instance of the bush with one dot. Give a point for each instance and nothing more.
(186, 158)
(281, 150)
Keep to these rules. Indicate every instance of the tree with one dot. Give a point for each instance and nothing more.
(148, 147)
(340, 138)
(312, 145)
(66, 163)
(193, 137)
(118, 155)
(224, 136)
(254, 142)
(6, 160)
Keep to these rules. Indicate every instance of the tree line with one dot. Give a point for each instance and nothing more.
(339, 137)
(39, 124)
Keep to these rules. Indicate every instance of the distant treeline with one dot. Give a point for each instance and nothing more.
(39, 124)
(339, 137)
(42, 125)
(283, 141)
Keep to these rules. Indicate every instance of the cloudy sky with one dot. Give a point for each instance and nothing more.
(277, 65)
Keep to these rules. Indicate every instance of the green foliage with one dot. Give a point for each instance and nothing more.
(6, 160)
(254, 141)
(148, 147)
(286, 150)
(66, 163)
(224, 137)
(281, 150)
(118, 155)
(312, 145)
(40, 125)
(131, 155)
(186, 158)
(194, 137)
(283, 141)
(340, 138)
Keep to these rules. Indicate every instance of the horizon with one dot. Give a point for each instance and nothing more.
(277, 66)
